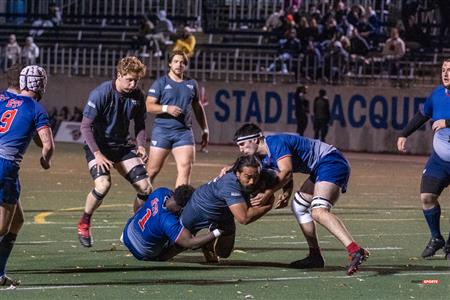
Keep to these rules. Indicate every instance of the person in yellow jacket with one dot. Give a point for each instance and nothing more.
(186, 42)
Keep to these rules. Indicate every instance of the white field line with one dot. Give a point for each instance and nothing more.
(65, 241)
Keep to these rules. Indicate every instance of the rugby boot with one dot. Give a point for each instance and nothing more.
(447, 249)
(356, 259)
(84, 235)
(433, 245)
(8, 283)
(209, 254)
(309, 262)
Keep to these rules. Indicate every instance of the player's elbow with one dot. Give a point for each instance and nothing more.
(244, 220)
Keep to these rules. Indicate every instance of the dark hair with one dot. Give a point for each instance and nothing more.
(178, 52)
(246, 129)
(13, 75)
(322, 92)
(302, 89)
(182, 194)
(246, 161)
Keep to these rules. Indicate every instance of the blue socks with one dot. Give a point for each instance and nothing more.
(6, 245)
(433, 217)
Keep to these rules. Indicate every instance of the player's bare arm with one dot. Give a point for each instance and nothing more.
(439, 124)
(187, 241)
(48, 146)
(246, 215)
(284, 176)
(154, 107)
(200, 115)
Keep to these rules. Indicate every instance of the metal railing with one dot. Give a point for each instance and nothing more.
(243, 65)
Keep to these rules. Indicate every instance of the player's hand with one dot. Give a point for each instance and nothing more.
(401, 144)
(142, 153)
(224, 170)
(262, 199)
(174, 110)
(44, 163)
(283, 199)
(205, 141)
(102, 162)
(439, 124)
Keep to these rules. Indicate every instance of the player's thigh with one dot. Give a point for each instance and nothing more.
(184, 156)
(327, 190)
(307, 189)
(156, 158)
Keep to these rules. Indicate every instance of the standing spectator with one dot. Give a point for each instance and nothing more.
(301, 109)
(30, 52)
(321, 115)
(186, 42)
(12, 51)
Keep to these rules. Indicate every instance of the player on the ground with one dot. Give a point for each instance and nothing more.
(172, 98)
(155, 232)
(20, 117)
(329, 173)
(105, 127)
(436, 175)
(226, 198)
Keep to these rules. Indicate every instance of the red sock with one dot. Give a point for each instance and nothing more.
(352, 248)
(315, 252)
(86, 218)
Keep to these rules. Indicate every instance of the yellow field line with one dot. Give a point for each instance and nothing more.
(40, 217)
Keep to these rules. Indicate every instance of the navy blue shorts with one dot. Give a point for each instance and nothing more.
(435, 176)
(194, 221)
(169, 139)
(9, 181)
(332, 168)
(114, 154)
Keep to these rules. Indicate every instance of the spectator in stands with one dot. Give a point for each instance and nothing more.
(359, 48)
(186, 42)
(415, 37)
(77, 115)
(355, 14)
(30, 52)
(274, 21)
(144, 35)
(289, 48)
(322, 115)
(301, 109)
(164, 31)
(330, 30)
(12, 52)
(315, 30)
(55, 14)
(394, 49)
(303, 31)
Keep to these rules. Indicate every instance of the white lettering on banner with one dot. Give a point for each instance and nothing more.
(69, 132)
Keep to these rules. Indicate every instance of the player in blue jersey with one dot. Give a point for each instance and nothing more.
(226, 198)
(155, 232)
(436, 175)
(329, 173)
(173, 98)
(20, 117)
(105, 127)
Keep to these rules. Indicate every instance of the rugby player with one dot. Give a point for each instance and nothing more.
(329, 173)
(172, 98)
(436, 174)
(20, 117)
(105, 127)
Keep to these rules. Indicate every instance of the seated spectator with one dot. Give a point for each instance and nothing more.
(52, 19)
(55, 14)
(186, 42)
(394, 49)
(144, 35)
(273, 21)
(289, 47)
(163, 32)
(358, 45)
(30, 52)
(12, 52)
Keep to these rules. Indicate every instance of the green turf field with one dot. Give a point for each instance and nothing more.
(381, 210)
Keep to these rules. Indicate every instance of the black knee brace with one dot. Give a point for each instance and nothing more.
(98, 196)
(137, 173)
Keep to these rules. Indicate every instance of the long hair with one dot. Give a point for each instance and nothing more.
(246, 161)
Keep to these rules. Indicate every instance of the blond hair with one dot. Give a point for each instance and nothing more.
(130, 64)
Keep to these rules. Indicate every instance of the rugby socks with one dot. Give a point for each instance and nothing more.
(433, 217)
(314, 252)
(353, 248)
(6, 246)
(86, 218)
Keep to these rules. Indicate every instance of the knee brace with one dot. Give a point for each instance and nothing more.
(137, 173)
(319, 202)
(97, 173)
(97, 195)
(301, 209)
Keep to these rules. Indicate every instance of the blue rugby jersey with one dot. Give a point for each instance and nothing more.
(152, 227)
(436, 107)
(112, 113)
(304, 152)
(181, 94)
(20, 117)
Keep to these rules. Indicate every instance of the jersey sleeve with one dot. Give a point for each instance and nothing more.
(155, 90)
(93, 106)
(279, 148)
(172, 227)
(231, 191)
(40, 117)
